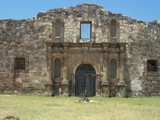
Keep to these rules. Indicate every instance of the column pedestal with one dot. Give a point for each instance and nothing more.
(105, 84)
(65, 83)
(105, 89)
(65, 87)
(121, 89)
(48, 87)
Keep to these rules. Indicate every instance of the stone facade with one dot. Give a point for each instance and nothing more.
(48, 55)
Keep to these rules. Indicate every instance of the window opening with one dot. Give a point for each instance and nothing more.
(20, 63)
(85, 30)
(152, 66)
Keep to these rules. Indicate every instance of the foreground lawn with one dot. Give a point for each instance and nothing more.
(67, 108)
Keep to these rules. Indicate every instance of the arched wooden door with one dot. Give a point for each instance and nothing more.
(85, 79)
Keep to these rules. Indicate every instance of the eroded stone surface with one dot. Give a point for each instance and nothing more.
(27, 39)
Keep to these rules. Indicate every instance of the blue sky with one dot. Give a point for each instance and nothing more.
(146, 10)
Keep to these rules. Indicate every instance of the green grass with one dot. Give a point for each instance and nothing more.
(66, 108)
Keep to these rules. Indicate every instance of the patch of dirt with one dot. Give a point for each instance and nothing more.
(11, 118)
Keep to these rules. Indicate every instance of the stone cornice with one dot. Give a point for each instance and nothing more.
(81, 47)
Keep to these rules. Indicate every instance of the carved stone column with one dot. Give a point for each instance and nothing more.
(121, 84)
(118, 69)
(98, 86)
(105, 83)
(65, 83)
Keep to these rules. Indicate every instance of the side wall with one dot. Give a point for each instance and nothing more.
(142, 45)
(22, 39)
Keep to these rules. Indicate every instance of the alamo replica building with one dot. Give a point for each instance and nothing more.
(80, 51)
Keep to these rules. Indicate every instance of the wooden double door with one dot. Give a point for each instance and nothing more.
(85, 79)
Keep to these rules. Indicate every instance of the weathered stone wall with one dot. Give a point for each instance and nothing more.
(22, 39)
(142, 47)
(142, 40)
(27, 38)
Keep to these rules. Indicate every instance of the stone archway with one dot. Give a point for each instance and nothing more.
(85, 80)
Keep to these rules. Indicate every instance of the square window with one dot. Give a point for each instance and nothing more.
(20, 63)
(151, 65)
(85, 32)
